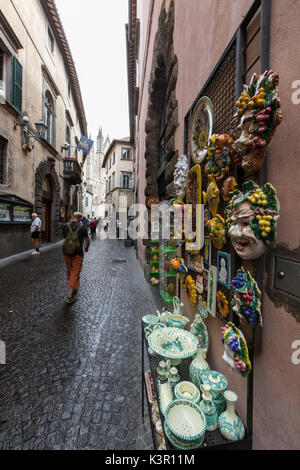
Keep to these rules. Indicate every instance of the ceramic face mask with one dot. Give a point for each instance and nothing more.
(256, 120)
(251, 219)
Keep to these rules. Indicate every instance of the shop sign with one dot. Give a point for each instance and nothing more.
(5, 213)
(85, 145)
(22, 214)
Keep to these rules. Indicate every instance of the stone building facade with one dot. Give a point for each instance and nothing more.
(176, 53)
(41, 83)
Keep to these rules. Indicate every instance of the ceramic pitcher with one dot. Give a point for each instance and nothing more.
(229, 423)
(197, 366)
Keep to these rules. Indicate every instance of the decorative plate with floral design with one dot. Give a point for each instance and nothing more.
(201, 128)
(173, 343)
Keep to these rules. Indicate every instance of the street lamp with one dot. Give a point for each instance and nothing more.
(29, 134)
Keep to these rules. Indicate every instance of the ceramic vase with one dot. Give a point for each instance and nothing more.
(229, 424)
(209, 409)
(197, 366)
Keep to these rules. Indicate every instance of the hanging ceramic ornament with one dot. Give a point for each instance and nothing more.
(229, 185)
(180, 174)
(256, 120)
(251, 219)
(212, 290)
(212, 196)
(219, 156)
(246, 298)
(236, 353)
(217, 231)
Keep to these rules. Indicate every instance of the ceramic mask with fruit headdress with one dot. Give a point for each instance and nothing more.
(256, 120)
(251, 219)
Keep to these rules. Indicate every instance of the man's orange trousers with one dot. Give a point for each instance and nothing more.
(74, 266)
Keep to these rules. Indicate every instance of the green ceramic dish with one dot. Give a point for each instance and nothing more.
(182, 445)
(173, 343)
(150, 319)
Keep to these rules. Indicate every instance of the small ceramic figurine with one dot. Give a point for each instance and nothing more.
(256, 120)
(216, 227)
(212, 196)
(219, 154)
(246, 298)
(236, 351)
(251, 219)
(230, 184)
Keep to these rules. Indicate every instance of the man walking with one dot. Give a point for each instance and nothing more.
(76, 236)
(36, 233)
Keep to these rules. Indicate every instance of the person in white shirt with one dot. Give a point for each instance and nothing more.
(36, 233)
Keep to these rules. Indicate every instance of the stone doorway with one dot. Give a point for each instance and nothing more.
(47, 200)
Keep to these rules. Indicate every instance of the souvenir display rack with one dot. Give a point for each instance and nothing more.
(167, 251)
(213, 440)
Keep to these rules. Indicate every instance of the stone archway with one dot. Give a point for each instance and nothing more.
(162, 116)
(46, 171)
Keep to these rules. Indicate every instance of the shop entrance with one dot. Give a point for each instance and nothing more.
(47, 200)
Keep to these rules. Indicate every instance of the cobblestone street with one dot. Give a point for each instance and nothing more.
(73, 373)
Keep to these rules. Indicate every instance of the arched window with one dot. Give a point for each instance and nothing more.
(49, 117)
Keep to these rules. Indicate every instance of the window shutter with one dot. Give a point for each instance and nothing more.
(131, 182)
(121, 181)
(17, 85)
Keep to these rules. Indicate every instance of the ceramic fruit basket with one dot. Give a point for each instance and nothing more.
(185, 424)
(173, 343)
(187, 391)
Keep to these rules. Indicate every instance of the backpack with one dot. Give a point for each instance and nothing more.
(72, 243)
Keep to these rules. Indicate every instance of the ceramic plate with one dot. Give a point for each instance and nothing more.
(215, 380)
(173, 343)
(201, 128)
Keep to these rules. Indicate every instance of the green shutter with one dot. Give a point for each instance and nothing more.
(17, 85)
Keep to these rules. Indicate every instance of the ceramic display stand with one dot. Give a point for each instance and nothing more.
(213, 439)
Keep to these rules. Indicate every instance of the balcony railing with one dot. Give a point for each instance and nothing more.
(72, 171)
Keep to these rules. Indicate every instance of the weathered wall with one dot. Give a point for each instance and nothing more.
(200, 37)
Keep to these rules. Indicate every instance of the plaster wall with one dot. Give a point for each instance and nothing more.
(201, 34)
(35, 53)
(276, 398)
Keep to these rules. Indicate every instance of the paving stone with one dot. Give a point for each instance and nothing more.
(72, 379)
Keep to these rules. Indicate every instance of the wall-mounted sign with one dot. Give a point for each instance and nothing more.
(22, 214)
(85, 145)
(5, 213)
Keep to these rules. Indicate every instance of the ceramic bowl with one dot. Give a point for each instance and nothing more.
(187, 391)
(152, 327)
(173, 343)
(177, 321)
(182, 445)
(150, 319)
(185, 420)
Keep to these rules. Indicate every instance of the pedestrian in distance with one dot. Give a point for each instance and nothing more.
(36, 233)
(76, 242)
(93, 227)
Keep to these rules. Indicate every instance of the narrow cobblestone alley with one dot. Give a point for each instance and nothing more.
(73, 373)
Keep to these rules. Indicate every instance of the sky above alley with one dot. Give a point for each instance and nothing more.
(95, 30)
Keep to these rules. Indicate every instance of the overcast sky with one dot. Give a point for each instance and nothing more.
(95, 30)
